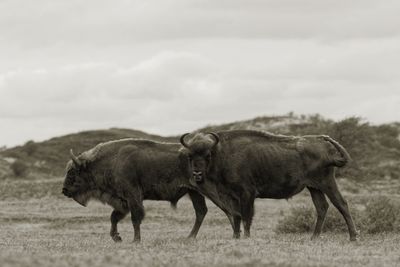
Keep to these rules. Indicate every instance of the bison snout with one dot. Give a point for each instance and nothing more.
(198, 176)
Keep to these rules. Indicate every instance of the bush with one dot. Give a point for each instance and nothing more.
(301, 220)
(380, 215)
(388, 136)
(30, 147)
(357, 137)
(19, 168)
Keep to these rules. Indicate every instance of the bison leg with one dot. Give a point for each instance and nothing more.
(135, 203)
(230, 218)
(340, 203)
(236, 226)
(237, 218)
(137, 215)
(199, 205)
(220, 199)
(247, 215)
(321, 206)
(116, 216)
(226, 211)
(247, 224)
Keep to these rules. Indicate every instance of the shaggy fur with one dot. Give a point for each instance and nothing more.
(123, 173)
(245, 165)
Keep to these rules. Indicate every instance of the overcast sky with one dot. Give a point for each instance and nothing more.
(171, 66)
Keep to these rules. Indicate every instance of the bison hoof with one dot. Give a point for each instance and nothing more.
(314, 237)
(353, 238)
(236, 235)
(117, 238)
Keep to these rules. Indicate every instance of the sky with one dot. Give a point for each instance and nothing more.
(173, 66)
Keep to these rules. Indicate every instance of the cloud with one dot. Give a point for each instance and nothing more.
(164, 76)
(176, 91)
(104, 23)
(109, 94)
(173, 66)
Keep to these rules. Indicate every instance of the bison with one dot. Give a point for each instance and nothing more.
(125, 172)
(245, 164)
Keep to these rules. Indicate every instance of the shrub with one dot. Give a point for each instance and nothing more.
(357, 137)
(30, 147)
(302, 219)
(19, 168)
(381, 215)
(388, 136)
(299, 220)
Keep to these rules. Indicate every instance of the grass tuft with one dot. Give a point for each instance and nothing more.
(380, 215)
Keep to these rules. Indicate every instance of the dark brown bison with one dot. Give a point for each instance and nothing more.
(245, 165)
(123, 173)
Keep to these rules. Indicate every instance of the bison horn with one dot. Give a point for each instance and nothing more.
(182, 140)
(216, 137)
(75, 158)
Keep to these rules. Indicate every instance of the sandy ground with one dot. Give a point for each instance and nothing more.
(54, 231)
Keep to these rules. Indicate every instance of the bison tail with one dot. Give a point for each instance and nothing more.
(343, 152)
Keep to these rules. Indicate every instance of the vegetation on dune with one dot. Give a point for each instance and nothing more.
(382, 215)
(379, 215)
(40, 226)
(19, 168)
(50, 157)
(375, 149)
(25, 189)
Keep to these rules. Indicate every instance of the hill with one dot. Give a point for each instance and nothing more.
(49, 157)
(375, 149)
(277, 124)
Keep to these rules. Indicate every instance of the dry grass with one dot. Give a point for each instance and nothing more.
(54, 231)
(374, 214)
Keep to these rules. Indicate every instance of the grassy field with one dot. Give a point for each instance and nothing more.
(49, 230)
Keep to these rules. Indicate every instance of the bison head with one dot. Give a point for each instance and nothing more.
(199, 151)
(77, 180)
